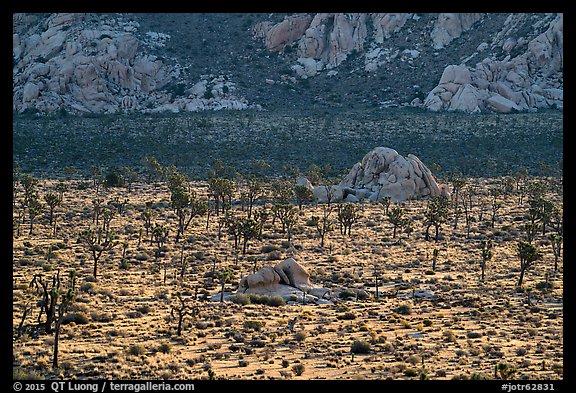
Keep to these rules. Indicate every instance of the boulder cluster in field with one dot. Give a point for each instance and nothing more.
(383, 173)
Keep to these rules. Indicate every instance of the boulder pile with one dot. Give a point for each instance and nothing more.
(530, 81)
(383, 173)
(88, 64)
(287, 279)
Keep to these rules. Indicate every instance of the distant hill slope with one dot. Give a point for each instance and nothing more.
(105, 63)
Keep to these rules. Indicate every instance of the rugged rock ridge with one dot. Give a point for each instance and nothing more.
(522, 70)
(326, 40)
(87, 64)
(529, 81)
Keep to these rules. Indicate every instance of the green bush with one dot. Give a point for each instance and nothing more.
(360, 346)
(251, 324)
(241, 299)
(404, 309)
(114, 179)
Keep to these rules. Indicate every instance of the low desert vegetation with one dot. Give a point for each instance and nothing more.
(133, 273)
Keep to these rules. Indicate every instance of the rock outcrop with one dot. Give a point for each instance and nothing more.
(86, 64)
(287, 279)
(383, 173)
(529, 81)
(519, 73)
(450, 26)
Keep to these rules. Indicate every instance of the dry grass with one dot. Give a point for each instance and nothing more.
(468, 326)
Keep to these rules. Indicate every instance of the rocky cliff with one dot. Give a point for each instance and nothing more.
(106, 63)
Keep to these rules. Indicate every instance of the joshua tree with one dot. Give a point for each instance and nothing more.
(54, 303)
(556, 242)
(97, 205)
(458, 182)
(435, 253)
(520, 179)
(52, 201)
(183, 309)
(97, 243)
(254, 189)
(152, 168)
(464, 197)
(504, 371)
(323, 224)
(130, 176)
(436, 214)
(385, 202)
(221, 190)
(347, 216)
(147, 216)
(288, 216)
(184, 202)
(396, 218)
(303, 194)
(160, 236)
(107, 216)
(61, 187)
(48, 298)
(66, 299)
(29, 184)
(486, 246)
(35, 208)
(528, 254)
(248, 229)
(496, 204)
(224, 277)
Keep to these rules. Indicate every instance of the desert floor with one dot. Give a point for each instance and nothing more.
(123, 327)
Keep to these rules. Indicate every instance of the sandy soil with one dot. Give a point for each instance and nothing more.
(464, 331)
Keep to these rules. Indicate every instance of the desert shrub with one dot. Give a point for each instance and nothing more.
(251, 324)
(360, 346)
(521, 351)
(298, 369)
(136, 350)
(76, 317)
(145, 309)
(404, 309)
(285, 363)
(405, 324)
(349, 315)
(427, 322)
(300, 336)
(142, 256)
(274, 255)
(134, 314)
(411, 372)
(25, 375)
(101, 317)
(268, 248)
(240, 298)
(165, 347)
(474, 335)
(545, 286)
(347, 294)
(449, 336)
(88, 287)
(114, 178)
(268, 300)
(276, 301)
